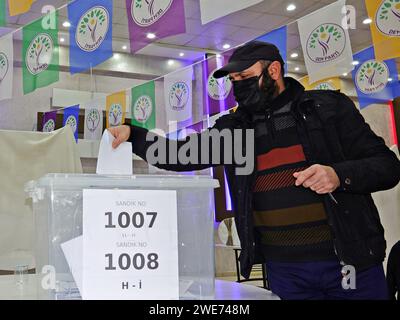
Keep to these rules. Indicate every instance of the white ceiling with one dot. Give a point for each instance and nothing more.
(234, 29)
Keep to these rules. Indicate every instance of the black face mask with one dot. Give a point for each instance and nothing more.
(250, 96)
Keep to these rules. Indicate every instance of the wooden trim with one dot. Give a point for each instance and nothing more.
(10, 272)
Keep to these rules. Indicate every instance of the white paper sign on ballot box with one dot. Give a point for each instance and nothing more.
(130, 244)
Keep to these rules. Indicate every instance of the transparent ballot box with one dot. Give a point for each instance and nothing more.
(58, 211)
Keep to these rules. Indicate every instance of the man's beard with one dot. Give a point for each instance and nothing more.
(268, 87)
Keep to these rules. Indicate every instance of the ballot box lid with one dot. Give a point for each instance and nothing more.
(79, 181)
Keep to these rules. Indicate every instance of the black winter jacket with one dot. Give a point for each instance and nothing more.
(334, 133)
(393, 272)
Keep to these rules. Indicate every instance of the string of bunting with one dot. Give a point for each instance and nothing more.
(325, 44)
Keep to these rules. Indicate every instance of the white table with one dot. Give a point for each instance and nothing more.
(224, 290)
(9, 290)
(228, 290)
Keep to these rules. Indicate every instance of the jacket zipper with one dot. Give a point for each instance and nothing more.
(269, 125)
(330, 194)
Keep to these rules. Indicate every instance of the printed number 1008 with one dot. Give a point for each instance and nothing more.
(137, 261)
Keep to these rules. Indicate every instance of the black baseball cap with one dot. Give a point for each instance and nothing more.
(247, 55)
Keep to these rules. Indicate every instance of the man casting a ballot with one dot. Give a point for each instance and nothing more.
(305, 209)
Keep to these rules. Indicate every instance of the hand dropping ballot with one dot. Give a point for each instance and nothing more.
(114, 161)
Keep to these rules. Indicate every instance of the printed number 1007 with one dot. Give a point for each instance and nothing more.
(125, 220)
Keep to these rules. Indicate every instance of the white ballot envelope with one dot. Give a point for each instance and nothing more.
(73, 254)
(114, 161)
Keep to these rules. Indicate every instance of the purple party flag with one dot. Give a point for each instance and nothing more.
(162, 18)
(218, 92)
(49, 121)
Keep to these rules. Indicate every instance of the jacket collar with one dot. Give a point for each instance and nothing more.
(292, 93)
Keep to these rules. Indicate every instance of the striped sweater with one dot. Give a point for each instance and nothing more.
(290, 222)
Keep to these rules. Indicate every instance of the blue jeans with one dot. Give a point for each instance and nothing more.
(322, 280)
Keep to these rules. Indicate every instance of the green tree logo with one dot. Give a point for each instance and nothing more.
(388, 17)
(370, 71)
(92, 28)
(219, 89)
(71, 121)
(147, 12)
(49, 126)
(372, 76)
(143, 109)
(326, 43)
(324, 86)
(149, 3)
(323, 35)
(39, 53)
(179, 95)
(389, 7)
(93, 119)
(115, 114)
(4, 65)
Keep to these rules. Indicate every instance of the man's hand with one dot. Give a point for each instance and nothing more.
(318, 178)
(121, 134)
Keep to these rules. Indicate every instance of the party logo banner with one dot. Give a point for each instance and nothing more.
(218, 92)
(376, 81)
(385, 27)
(115, 109)
(94, 119)
(49, 121)
(6, 67)
(162, 18)
(178, 95)
(326, 43)
(71, 118)
(40, 54)
(90, 33)
(143, 106)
